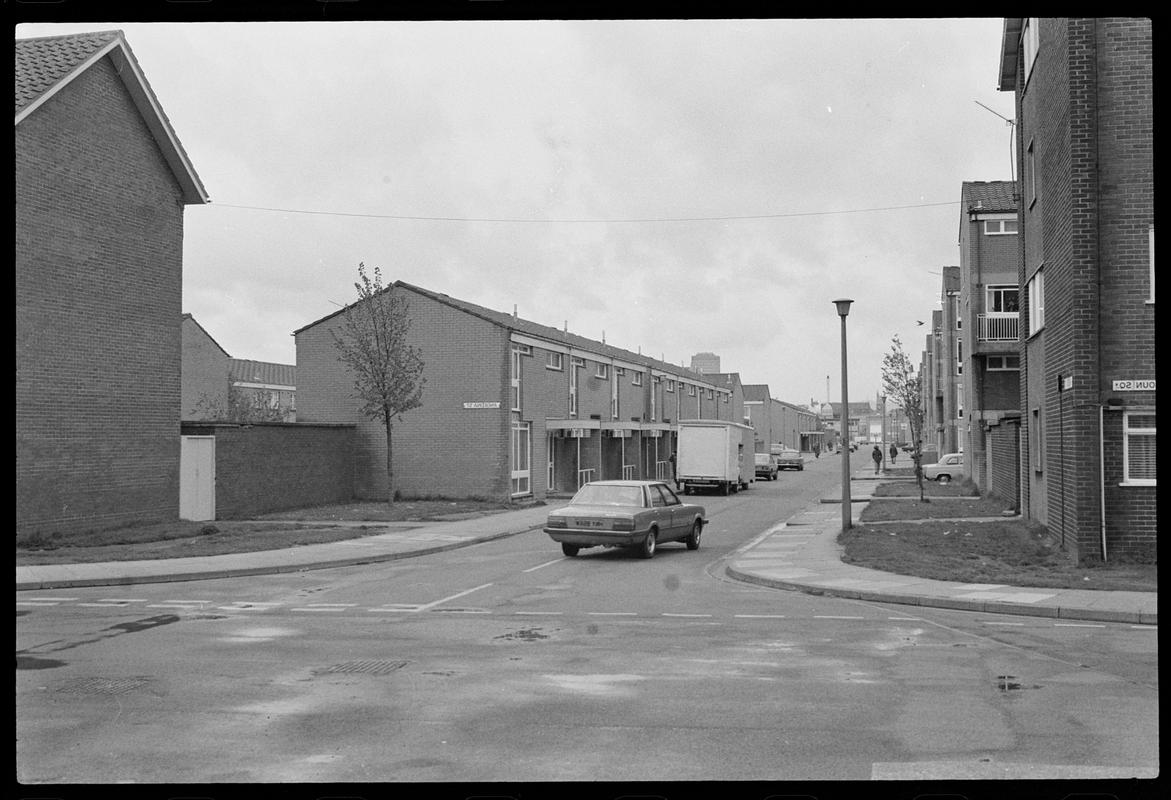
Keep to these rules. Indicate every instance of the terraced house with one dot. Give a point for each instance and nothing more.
(1083, 89)
(512, 409)
(101, 184)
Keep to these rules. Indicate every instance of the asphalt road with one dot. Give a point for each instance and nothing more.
(507, 663)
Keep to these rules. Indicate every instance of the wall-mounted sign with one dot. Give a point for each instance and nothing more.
(1134, 386)
(482, 405)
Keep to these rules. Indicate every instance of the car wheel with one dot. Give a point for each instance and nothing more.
(726, 490)
(692, 540)
(570, 550)
(647, 549)
(943, 479)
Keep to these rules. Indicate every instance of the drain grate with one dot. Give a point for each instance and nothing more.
(1010, 683)
(106, 685)
(364, 667)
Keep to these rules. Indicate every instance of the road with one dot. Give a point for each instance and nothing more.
(507, 662)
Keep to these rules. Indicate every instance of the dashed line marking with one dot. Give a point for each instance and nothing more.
(666, 614)
(759, 616)
(452, 597)
(1145, 627)
(612, 613)
(827, 616)
(319, 609)
(1075, 625)
(55, 599)
(1015, 624)
(38, 603)
(539, 613)
(539, 566)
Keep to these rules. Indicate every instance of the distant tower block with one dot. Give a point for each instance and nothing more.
(705, 363)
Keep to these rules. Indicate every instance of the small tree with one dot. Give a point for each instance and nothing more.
(372, 342)
(241, 405)
(904, 386)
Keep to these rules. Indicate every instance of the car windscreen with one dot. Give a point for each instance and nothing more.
(595, 495)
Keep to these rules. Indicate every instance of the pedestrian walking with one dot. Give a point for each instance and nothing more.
(894, 453)
(876, 454)
(816, 450)
(674, 476)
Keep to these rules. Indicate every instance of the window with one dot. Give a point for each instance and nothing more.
(959, 399)
(1002, 363)
(517, 352)
(554, 361)
(619, 371)
(574, 364)
(956, 311)
(711, 393)
(636, 378)
(959, 356)
(521, 452)
(691, 390)
(603, 370)
(726, 396)
(1000, 227)
(1037, 441)
(1151, 244)
(1002, 299)
(1138, 448)
(614, 398)
(1030, 174)
(670, 385)
(1030, 42)
(1035, 289)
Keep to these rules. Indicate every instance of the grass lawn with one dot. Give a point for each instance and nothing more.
(275, 531)
(927, 540)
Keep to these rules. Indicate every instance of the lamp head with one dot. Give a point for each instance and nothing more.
(843, 307)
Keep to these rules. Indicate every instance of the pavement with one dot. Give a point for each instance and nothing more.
(799, 554)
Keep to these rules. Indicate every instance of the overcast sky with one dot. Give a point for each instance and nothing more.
(673, 186)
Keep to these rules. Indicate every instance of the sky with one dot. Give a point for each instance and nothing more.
(669, 186)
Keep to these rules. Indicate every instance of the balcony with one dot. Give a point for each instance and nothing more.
(998, 327)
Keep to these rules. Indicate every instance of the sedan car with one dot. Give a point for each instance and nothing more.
(635, 514)
(790, 459)
(766, 466)
(950, 467)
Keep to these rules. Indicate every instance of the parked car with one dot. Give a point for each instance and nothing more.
(950, 467)
(766, 466)
(635, 514)
(790, 459)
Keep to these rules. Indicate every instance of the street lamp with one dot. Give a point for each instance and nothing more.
(843, 310)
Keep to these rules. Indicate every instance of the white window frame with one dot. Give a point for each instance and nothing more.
(1035, 289)
(691, 390)
(1030, 44)
(1037, 440)
(995, 290)
(1001, 362)
(575, 364)
(1129, 433)
(602, 371)
(1151, 244)
(670, 385)
(521, 483)
(998, 227)
(614, 398)
(636, 378)
(959, 356)
(518, 351)
(1031, 173)
(555, 360)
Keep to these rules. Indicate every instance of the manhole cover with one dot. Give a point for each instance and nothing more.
(106, 685)
(364, 666)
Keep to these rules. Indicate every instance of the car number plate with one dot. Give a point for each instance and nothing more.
(590, 523)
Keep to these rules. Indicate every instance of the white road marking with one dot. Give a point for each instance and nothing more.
(56, 599)
(37, 603)
(993, 622)
(819, 616)
(612, 613)
(452, 597)
(539, 566)
(317, 609)
(1145, 627)
(759, 616)
(906, 619)
(122, 600)
(538, 613)
(665, 614)
(1075, 625)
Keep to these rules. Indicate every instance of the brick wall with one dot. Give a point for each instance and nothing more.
(268, 467)
(1003, 446)
(204, 371)
(98, 241)
(440, 448)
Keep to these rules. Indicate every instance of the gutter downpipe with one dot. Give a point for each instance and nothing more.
(1102, 475)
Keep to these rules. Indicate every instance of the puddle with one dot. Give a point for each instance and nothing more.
(34, 662)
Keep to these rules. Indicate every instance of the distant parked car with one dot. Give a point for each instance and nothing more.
(950, 467)
(635, 514)
(766, 466)
(790, 459)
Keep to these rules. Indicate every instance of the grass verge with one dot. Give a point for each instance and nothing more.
(181, 539)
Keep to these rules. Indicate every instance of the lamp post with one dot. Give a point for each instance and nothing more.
(884, 453)
(843, 310)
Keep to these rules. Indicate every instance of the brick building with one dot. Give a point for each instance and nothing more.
(989, 303)
(101, 186)
(1083, 90)
(511, 408)
(778, 422)
(942, 371)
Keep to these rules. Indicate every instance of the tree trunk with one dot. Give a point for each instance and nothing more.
(389, 466)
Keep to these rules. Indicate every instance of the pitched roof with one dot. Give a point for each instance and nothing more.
(45, 65)
(756, 391)
(537, 330)
(989, 196)
(203, 330)
(242, 370)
